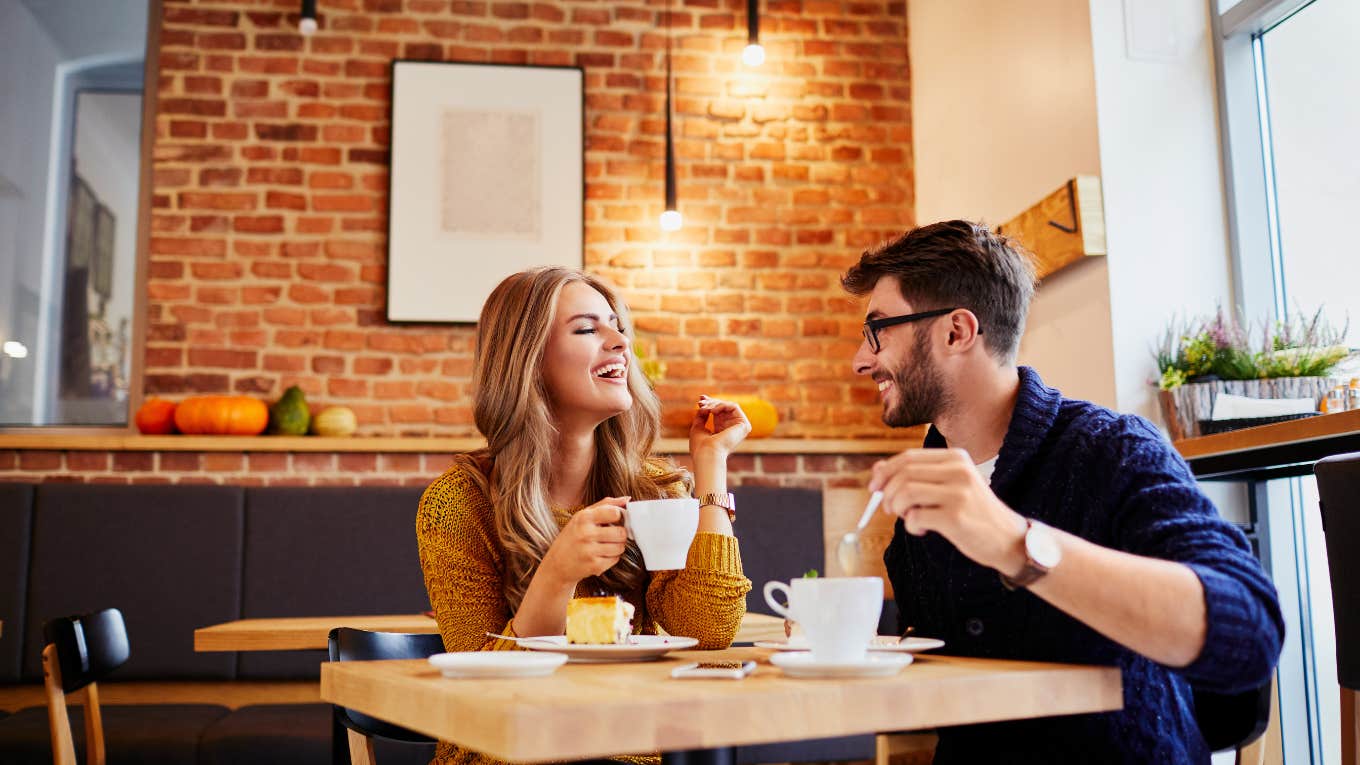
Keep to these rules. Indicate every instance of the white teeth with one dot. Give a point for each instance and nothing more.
(611, 371)
(883, 385)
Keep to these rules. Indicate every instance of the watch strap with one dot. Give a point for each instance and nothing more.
(726, 501)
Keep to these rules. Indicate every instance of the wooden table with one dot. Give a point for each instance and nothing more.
(309, 633)
(593, 710)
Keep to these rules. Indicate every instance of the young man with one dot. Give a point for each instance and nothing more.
(1038, 527)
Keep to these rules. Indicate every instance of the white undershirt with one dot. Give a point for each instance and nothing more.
(985, 469)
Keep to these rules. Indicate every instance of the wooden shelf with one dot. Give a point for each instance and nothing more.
(139, 443)
(1270, 451)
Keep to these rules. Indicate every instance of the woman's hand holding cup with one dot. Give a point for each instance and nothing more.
(591, 542)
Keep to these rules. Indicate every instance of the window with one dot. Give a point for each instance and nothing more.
(1288, 72)
(70, 205)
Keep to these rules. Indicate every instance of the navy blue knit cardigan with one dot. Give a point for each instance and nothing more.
(1114, 480)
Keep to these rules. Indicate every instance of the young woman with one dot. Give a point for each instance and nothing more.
(509, 534)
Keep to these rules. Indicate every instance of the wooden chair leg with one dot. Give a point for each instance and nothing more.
(360, 748)
(94, 727)
(63, 746)
(1350, 727)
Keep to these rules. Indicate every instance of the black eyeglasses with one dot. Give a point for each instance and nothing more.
(872, 326)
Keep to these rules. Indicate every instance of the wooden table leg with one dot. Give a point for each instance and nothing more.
(1350, 727)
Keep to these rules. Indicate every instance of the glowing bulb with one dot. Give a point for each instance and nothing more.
(17, 350)
(307, 26)
(671, 220)
(753, 55)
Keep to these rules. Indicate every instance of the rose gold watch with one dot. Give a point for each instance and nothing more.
(725, 501)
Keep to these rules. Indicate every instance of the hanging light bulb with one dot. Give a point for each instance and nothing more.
(671, 219)
(307, 26)
(753, 54)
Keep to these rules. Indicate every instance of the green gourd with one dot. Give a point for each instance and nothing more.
(289, 416)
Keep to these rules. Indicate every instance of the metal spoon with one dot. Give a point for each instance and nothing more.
(847, 551)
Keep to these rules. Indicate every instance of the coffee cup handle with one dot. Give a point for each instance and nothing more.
(623, 513)
(770, 589)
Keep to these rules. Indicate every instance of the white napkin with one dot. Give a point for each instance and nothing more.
(1232, 407)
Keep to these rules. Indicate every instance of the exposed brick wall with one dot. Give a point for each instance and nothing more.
(268, 239)
(815, 471)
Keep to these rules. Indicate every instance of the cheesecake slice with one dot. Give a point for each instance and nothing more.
(599, 621)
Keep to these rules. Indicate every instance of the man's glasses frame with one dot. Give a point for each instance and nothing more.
(872, 326)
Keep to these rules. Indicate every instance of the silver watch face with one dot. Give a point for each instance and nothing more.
(1041, 544)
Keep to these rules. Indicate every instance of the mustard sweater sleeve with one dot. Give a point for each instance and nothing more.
(460, 557)
(707, 598)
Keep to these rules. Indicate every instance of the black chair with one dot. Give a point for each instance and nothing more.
(1338, 483)
(80, 650)
(347, 644)
(1233, 721)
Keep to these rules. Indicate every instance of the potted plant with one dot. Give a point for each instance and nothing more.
(1199, 359)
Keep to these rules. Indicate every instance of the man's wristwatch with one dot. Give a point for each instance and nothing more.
(725, 501)
(1042, 553)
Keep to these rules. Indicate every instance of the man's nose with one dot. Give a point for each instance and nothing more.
(863, 362)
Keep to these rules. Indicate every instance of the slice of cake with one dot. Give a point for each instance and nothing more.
(599, 621)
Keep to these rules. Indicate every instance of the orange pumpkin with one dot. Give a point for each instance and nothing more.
(222, 416)
(762, 414)
(156, 417)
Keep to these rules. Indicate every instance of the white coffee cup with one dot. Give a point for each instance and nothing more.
(839, 615)
(663, 530)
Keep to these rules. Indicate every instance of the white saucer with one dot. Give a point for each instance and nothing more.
(497, 663)
(885, 643)
(800, 664)
(638, 648)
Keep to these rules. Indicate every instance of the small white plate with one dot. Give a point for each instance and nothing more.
(638, 648)
(497, 663)
(800, 664)
(885, 643)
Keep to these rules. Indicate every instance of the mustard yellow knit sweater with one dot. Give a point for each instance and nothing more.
(461, 557)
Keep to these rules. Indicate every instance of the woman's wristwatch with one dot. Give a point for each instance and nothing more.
(725, 501)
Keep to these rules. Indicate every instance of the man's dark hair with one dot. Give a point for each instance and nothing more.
(956, 264)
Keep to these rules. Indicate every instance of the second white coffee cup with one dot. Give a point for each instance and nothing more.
(839, 615)
(663, 530)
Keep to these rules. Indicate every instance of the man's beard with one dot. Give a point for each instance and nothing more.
(919, 389)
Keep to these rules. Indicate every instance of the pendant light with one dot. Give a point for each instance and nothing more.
(671, 219)
(753, 54)
(307, 26)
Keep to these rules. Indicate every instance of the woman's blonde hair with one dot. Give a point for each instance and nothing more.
(512, 410)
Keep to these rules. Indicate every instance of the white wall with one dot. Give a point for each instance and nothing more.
(1004, 112)
(28, 59)
(1165, 219)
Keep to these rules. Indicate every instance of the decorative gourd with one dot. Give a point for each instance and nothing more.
(762, 414)
(221, 416)
(289, 416)
(335, 421)
(156, 417)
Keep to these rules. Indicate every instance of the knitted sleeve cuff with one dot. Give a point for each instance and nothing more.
(1240, 644)
(714, 552)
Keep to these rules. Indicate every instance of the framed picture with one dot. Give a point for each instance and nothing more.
(487, 179)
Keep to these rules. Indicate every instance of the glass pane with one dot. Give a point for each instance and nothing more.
(70, 138)
(1312, 72)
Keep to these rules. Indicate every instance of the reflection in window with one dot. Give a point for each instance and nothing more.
(70, 137)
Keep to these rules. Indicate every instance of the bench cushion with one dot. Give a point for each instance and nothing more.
(269, 734)
(781, 537)
(152, 734)
(16, 529)
(169, 557)
(327, 551)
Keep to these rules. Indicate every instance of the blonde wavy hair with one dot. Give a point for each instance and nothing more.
(511, 408)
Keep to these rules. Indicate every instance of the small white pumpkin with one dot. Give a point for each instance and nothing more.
(335, 421)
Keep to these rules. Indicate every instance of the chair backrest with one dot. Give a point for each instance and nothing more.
(1338, 483)
(347, 644)
(89, 646)
(1231, 721)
